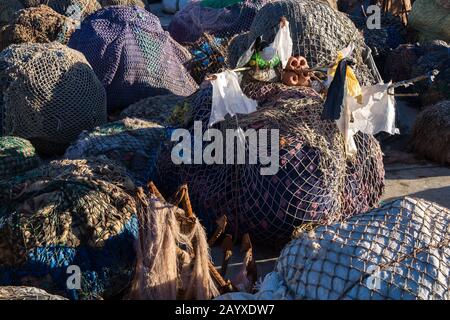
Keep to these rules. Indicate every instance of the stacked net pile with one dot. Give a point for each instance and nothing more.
(7, 10)
(38, 24)
(68, 213)
(431, 132)
(75, 9)
(431, 18)
(318, 32)
(131, 142)
(132, 55)
(26, 293)
(49, 94)
(209, 55)
(222, 19)
(400, 251)
(168, 110)
(315, 182)
(412, 60)
(17, 155)
(138, 3)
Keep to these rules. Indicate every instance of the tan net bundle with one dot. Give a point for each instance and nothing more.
(26, 293)
(38, 24)
(76, 9)
(431, 133)
(315, 184)
(400, 251)
(49, 95)
(318, 32)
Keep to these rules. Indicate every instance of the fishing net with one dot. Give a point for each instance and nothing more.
(400, 251)
(172, 253)
(49, 94)
(196, 18)
(315, 182)
(431, 18)
(132, 55)
(26, 293)
(69, 213)
(138, 3)
(38, 24)
(75, 9)
(431, 132)
(131, 142)
(412, 60)
(318, 32)
(7, 10)
(168, 110)
(17, 155)
(209, 55)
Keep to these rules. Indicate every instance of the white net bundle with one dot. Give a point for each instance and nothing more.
(398, 251)
(49, 94)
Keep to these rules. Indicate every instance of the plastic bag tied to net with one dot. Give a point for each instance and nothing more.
(315, 182)
(49, 94)
(132, 55)
(399, 251)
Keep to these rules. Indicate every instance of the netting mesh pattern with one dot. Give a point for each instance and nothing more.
(195, 19)
(168, 110)
(398, 251)
(209, 55)
(79, 213)
(26, 293)
(131, 142)
(49, 94)
(431, 132)
(317, 32)
(132, 55)
(77, 9)
(106, 3)
(40, 24)
(315, 182)
(17, 155)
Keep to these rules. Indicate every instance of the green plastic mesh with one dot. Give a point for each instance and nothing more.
(49, 94)
(17, 155)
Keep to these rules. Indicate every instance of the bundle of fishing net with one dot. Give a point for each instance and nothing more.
(17, 155)
(70, 217)
(139, 3)
(132, 55)
(431, 132)
(173, 259)
(168, 110)
(315, 182)
(37, 24)
(400, 251)
(209, 55)
(26, 293)
(318, 32)
(431, 18)
(133, 143)
(222, 19)
(412, 60)
(8, 8)
(49, 94)
(75, 9)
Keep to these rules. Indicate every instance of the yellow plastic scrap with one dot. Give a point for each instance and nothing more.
(353, 86)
